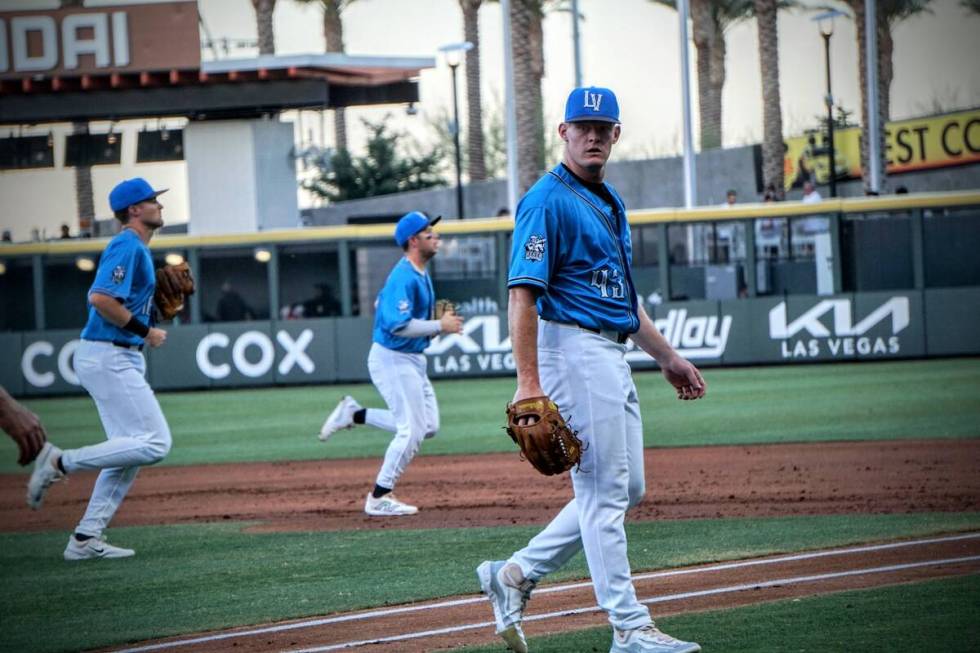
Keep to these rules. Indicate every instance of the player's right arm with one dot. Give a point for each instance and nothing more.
(113, 311)
(522, 319)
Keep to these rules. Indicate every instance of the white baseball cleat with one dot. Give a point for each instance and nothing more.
(649, 639)
(387, 506)
(342, 417)
(94, 547)
(44, 474)
(508, 591)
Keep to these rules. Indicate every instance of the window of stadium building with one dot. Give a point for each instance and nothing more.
(234, 284)
(67, 280)
(17, 290)
(309, 281)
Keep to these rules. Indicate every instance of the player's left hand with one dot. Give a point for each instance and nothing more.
(27, 431)
(685, 378)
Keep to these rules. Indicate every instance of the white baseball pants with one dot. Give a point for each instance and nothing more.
(588, 378)
(402, 381)
(136, 429)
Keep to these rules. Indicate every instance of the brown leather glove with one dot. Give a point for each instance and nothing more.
(174, 282)
(547, 441)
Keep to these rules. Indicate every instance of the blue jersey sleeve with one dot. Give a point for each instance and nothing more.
(117, 268)
(535, 248)
(399, 300)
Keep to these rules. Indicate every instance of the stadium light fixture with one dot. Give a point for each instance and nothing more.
(85, 263)
(453, 53)
(825, 22)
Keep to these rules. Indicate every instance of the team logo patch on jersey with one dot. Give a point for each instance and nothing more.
(404, 306)
(534, 248)
(118, 274)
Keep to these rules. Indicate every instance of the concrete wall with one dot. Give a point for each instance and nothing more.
(646, 184)
(240, 176)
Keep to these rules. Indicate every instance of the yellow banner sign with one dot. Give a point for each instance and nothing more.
(917, 144)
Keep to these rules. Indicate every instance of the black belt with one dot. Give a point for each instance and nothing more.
(616, 336)
(126, 345)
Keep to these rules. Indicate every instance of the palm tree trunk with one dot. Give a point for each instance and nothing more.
(333, 33)
(772, 119)
(475, 156)
(526, 50)
(709, 40)
(84, 202)
(263, 17)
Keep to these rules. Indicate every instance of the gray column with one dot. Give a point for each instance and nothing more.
(194, 261)
(344, 280)
(663, 256)
(272, 275)
(503, 267)
(750, 260)
(835, 250)
(37, 276)
(918, 250)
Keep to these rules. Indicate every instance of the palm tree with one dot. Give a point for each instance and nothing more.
(527, 50)
(709, 20)
(333, 34)
(972, 5)
(476, 158)
(890, 13)
(772, 118)
(263, 19)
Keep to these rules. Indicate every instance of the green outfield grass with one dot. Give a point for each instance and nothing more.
(845, 401)
(189, 578)
(938, 615)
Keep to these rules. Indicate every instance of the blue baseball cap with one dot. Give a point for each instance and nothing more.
(132, 191)
(412, 223)
(592, 103)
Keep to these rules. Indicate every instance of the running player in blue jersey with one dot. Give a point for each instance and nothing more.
(403, 326)
(110, 365)
(572, 308)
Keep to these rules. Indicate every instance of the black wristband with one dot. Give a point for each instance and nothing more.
(137, 327)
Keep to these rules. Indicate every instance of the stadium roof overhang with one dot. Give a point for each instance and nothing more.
(232, 88)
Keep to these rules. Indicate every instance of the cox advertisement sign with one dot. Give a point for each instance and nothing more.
(866, 326)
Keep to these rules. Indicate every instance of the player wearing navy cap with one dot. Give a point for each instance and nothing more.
(110, 365)
(572, 308)
(403, 326)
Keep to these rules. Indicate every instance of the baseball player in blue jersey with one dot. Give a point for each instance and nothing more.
(403, 326)
(572, 308)
(110, 365)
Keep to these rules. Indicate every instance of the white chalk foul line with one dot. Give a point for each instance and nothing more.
(384, 612)
(797, 580)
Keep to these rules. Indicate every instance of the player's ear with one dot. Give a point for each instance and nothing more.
(563, 131)
(617, 130)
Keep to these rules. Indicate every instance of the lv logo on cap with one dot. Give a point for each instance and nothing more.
(593, 100)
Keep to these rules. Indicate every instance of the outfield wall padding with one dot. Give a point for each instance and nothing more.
(764, 330)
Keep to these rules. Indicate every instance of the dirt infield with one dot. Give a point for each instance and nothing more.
(462, 491)
(487, 490)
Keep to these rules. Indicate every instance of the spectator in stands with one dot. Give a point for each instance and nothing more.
(231, 305)
(7, 237)
(770, 195)
(901, 190)
(810, 193)
(730, 197)
(323, 304)
(503, 212)
(65, 231)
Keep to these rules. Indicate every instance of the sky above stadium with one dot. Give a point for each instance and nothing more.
(630, 46)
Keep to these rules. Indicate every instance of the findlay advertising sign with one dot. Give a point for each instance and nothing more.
(118, 38)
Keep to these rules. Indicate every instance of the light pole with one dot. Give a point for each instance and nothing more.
(454, 53)
(825, 22)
